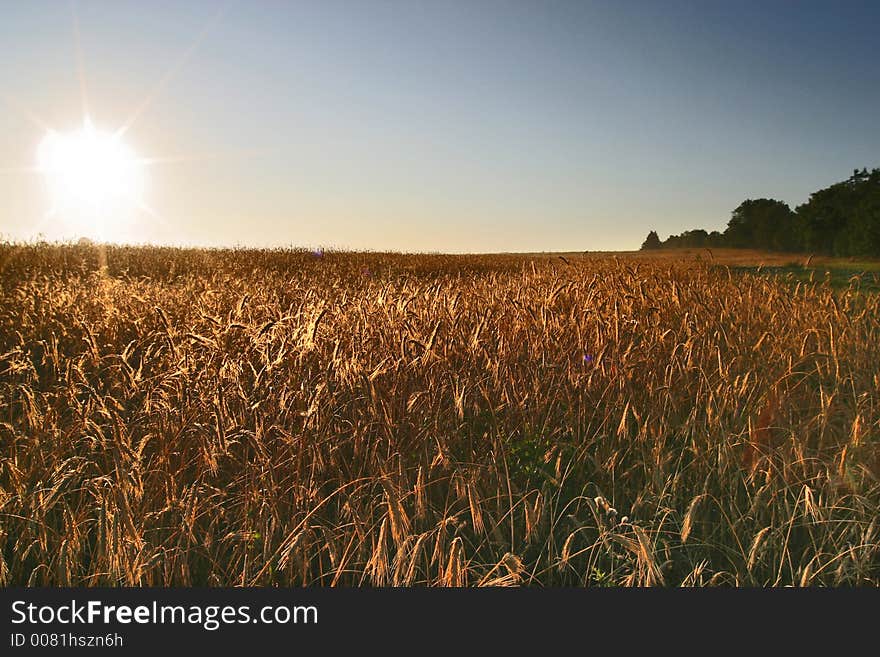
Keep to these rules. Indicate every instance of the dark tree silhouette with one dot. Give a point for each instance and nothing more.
(842, 220)
(652, 241)
(763, 224)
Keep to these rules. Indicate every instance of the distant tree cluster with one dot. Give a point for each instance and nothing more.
(840, 220)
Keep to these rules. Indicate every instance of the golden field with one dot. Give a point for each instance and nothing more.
(284, 417)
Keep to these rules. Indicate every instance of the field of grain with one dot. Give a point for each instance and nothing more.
(288, 417)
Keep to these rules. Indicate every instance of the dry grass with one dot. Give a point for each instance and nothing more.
(280, 417)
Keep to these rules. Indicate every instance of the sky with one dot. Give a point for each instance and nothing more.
(451, 126)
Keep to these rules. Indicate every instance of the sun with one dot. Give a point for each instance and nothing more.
(95, 180)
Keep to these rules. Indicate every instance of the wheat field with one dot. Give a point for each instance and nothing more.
(288, 417)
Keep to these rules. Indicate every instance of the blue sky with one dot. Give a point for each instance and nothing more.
(445, 126)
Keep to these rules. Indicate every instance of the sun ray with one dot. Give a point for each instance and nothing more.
(26, 114)
(206, 157)
(80, 61)
(15, 171)
(149, 210)
(173, 229)
(174, 70)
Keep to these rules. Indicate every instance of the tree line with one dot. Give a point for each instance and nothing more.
(840, 220)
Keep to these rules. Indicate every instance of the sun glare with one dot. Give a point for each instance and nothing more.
(94, 179)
